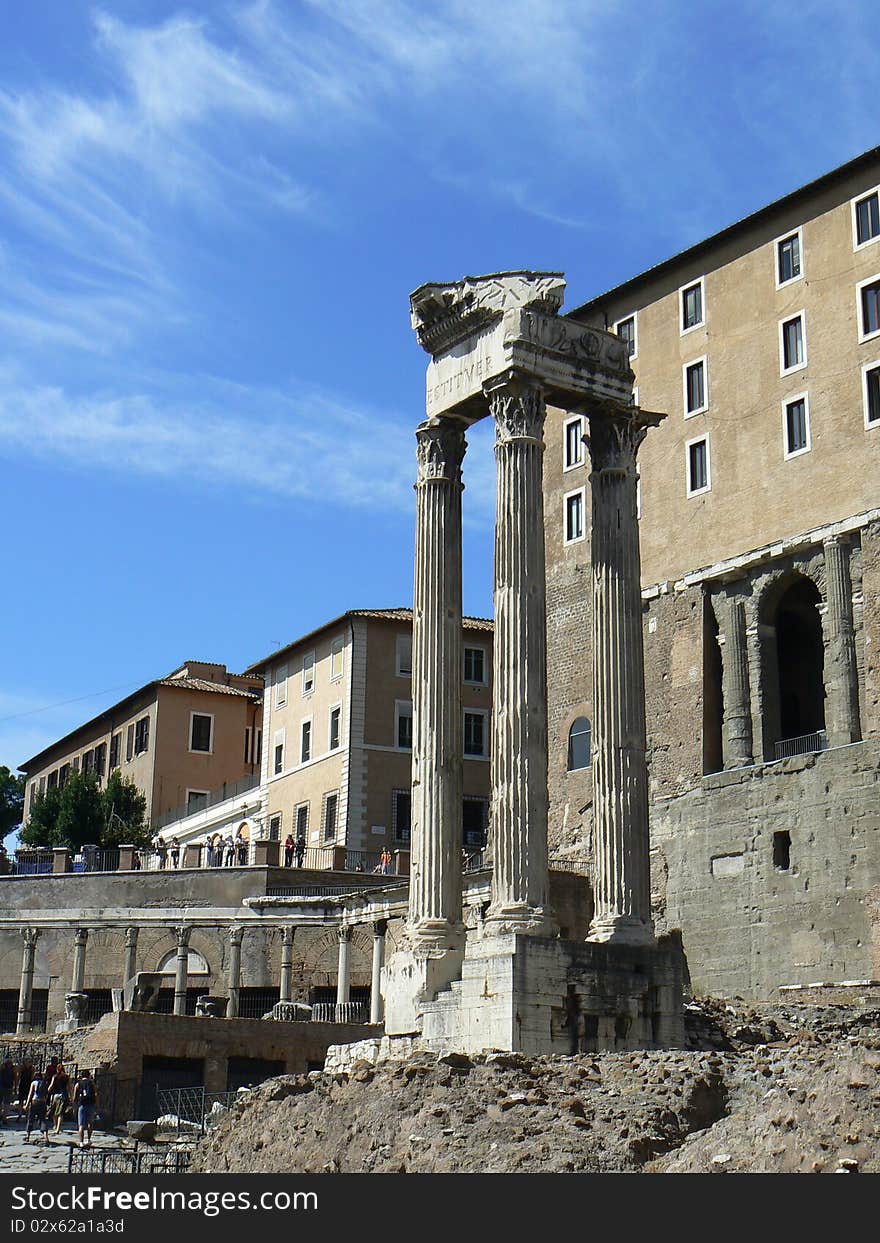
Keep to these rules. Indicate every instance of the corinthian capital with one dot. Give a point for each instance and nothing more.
(183, 933)
(236, 935)
(30, 936)
(518, 408)
(616, 436)
(440, 447)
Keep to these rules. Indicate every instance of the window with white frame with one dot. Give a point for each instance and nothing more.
(788, 258)
(796, 425)
(281, 687)
(573, 443)
(792, 343)
(308, 673)
(476, 733)
(196, 800)
(337, 659)
(869, 308)
(872, 393)
(698, 476)
(278, 751)
(201, 731)
(692, 310)
(328, 816)
(403, 725)
(866, 218)
(335, 727)
(696, 388)
(574, 516)
(403, 656)
(275, 827)
(302, 821)
(305, 741)
(475, 665)
(627, 331)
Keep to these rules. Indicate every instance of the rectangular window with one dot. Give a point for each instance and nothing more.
(797, 426)
(279, 757)
(52, 780)
(872, 393)
(201, 729)
(474, 815)
(63, 774)
(475, 665)
(474, 733)
(695, 387)
(869, 294)
(866, 214)
(403, 726)
(404, 656)
(335, 721)
(281, 687)
(331, 802)
(574, 516)
(259, 754)
(788, 259)
(697, 466)
(75, 763)
(308, 673)
(275, 828)
(115, 743)
(401, 815)
(691, 306)
(248, 743)
(302, 820)
(336, 659)
(626, 330)
(141, 735)
(100, 758)
(129, 743)
(88, 761)
(196, 800)
(305, 750)
(793, 349)
(574, 443)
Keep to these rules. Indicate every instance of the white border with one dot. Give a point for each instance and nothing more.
(866, 194)
(325, 797)
(865, 336)
(787, 319)
(476, 647)
(484, 713)
(579, 419)
(295, 822)
(333, 708)
(685, 367)
(790, 401)
(337, 646)
(402, 707)
(866, 367)
(306, 720)
(279, 739)
(196, 750)
(687, 466)
(634, 316)
(577, 539)
(701, 281)
(147, 747)
(784, 237)
(311, 689)
(195, 809)
(280, 685)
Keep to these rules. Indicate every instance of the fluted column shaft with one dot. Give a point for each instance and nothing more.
(233, 973)
(736, 733)
(30, 936)
(130, 965)
(843, 724)
(78, 975)
(437, 783)
(519, 718)
(380, 927)
(620, 781)
(286, 989)
(343, 974)
(180, 974)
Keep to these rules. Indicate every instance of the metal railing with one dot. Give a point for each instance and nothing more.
(31, 863)
(316, 891)
(805, 744)
(193, 1106)
(95, 859)
(37, 1052)
(229, 789)
(127, 1160)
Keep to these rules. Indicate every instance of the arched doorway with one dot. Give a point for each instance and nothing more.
(800, 665)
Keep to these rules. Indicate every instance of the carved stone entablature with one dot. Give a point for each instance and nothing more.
(614, 438)
(569, 339)
(518, 408)
(440, 449)
(444, 314)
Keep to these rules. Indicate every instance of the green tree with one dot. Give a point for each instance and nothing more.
(125, 810)
(82, 813)
(11, 800)
(42, 821)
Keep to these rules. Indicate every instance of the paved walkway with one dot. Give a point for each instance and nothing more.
(37, 1157)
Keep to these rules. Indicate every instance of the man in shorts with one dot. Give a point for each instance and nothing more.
(85, 1102)
(36, 1106)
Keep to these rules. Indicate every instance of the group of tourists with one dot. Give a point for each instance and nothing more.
(226, 851)
(44, 1097)
(294, 849)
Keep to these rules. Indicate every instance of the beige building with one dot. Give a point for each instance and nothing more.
(759, 507)
(179, 739)
(337, 715)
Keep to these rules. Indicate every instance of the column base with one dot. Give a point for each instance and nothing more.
(520, 919)
(621, 930)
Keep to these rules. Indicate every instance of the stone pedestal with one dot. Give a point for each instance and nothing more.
(127, 858)
(61, 861)
(74, 1013)
(412, 978)
(267, 852)
(192, 855)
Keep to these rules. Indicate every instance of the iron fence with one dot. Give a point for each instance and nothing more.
(31, 863)
(805, 744)
(316, 891)
(193, 1108)
(229, 789)
(134, 1160)
(37, 1052)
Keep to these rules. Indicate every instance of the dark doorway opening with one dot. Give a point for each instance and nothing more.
(245, 1072)
(167, 1072)
(782, 851)
(800, 658)
(713, 693)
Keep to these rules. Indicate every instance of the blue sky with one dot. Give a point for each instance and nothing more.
(212, 217)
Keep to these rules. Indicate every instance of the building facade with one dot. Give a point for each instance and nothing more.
(760, 551)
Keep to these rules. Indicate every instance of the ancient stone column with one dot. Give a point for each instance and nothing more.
(183, 934)
(380, 928)
(842, 721)
(435, 865)
(233, 976)
(519, 717)
(30, 936)
(130, 966)
(736, 730)
(286, 989)
(343, 976)
(78, 976)
(620, 779)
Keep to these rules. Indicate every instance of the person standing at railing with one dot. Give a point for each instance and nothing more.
(300, 851)
(161, 850)
(175, 852)
(229, 845)
(241, 849)
(289, 848)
